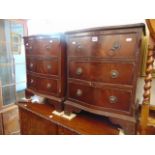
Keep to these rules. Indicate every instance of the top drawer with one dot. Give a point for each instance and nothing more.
(42, 46)
(103, 46)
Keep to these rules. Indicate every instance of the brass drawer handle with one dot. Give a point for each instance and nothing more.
(31, 65)
(116, 46)
(79, 92)
(79, 71)
(79, 46)
(49, 66)
(30, 48)
(113, 99)
(48, 47)
(32, 81)
(114, 74)
(48, 86)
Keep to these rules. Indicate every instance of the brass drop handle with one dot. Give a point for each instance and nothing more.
(116, 46)
(79, 71)
(113, 99)
(49, 66)
(79, 92)
(32, 80)
(48, 86)
(114, 74)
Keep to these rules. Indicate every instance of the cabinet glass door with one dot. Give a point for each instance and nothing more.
(7, 71)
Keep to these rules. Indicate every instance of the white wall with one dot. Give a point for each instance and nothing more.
(54, 25)
(60, 25)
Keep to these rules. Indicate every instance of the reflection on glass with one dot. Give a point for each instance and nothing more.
(10, 96)
(17, 31)
(6, 63)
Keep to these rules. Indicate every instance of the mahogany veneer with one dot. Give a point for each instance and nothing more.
(46, 72)
(37, 119)
(103, 67)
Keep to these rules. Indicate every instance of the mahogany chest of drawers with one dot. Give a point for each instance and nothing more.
(45, 59)
(103, 66)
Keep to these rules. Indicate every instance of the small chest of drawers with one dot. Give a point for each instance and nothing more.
(103, 67)
(45, 62)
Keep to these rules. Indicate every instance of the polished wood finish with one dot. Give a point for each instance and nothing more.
(43, 85)
(102, 71)
(151, 26)
(43, 45)
(38, 119)
(45, 66)
(31, 124)
(145, 109)
(100, 97)
(103, 68)
(46, 73)
(98, 45)
(147, 91)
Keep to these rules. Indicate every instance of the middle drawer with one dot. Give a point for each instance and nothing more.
(43, 66)
(115, 73)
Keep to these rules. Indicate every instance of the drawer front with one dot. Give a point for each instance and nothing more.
(43, 85)
(103, 46)
(110, 98)
(34, 124)
(43, 46)
(43, 66)
(114, 73)
(64, 131)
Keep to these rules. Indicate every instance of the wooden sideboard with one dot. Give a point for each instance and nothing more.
(37, 119)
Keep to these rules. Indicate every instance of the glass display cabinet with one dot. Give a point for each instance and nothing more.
(11, 38)
(7, 72)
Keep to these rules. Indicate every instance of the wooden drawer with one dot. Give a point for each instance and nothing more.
(42, 46)
(46, 66)
(103, 46)
(100, 97)
(115, 73)
(43, 85)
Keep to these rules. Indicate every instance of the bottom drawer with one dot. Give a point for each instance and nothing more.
(100, 97)
(43, 85)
